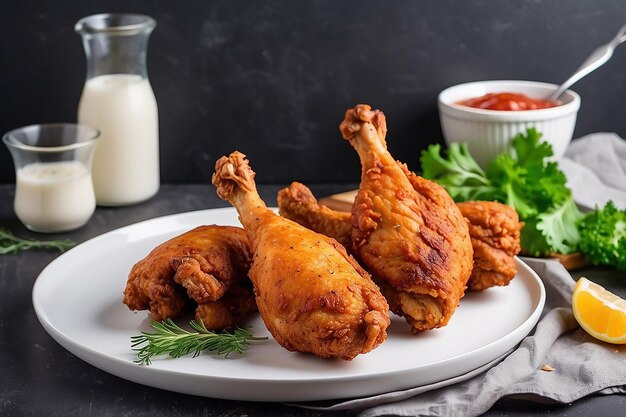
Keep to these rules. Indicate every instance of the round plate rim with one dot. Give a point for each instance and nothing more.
(145, 376)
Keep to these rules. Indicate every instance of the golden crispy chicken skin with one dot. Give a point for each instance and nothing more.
(203, 263)
(230, 310)
(297, 203)
(495, 231)
(312, 296)
(408, 233)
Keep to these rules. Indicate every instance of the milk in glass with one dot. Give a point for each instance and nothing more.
(54, 196)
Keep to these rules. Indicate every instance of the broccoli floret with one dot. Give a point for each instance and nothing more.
(603, 236)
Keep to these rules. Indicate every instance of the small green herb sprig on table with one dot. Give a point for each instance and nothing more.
(9, 243)
(175, 341)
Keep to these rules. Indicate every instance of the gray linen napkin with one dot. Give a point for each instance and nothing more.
(595, 167)
(582, 366)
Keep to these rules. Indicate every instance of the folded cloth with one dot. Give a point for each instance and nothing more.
(595, 167)
(558, 363)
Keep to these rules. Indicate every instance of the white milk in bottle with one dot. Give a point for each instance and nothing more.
(126, 161)
(118, 100)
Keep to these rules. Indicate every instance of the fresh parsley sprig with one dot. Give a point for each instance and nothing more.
(525, 179)
(175, 341)
(9, 243)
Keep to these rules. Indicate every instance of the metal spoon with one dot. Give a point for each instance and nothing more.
(598, 58)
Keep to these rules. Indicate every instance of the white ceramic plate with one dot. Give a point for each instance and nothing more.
(78, 300)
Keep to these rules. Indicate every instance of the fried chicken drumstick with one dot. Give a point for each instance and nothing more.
(406, 230)
(312, 296)
(208, 265)
(298, 203)
(494, 230)
(230, 310)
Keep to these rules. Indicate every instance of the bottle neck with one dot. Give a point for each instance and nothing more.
(116, 54)
(115, 43)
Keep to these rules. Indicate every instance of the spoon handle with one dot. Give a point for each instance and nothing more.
(597, 58)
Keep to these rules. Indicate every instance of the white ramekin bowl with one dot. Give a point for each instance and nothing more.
(489, 132)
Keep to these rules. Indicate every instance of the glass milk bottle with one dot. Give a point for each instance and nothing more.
(118, 100)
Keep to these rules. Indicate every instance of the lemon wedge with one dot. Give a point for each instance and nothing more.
(600, 312)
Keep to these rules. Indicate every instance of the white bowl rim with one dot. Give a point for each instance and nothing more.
(571, 106)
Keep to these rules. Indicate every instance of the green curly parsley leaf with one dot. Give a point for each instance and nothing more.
(457, 171)
(553, 231)
(523, 178)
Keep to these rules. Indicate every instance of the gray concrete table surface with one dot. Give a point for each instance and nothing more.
(40, 378)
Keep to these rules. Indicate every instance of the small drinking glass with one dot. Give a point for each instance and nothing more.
(53, 190)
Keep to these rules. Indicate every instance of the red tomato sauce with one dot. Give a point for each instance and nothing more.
(508, 102)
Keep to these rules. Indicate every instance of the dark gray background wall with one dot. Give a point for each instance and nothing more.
(273, 78)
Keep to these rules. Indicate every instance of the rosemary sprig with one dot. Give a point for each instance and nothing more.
(177, 342)
(9, 243)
